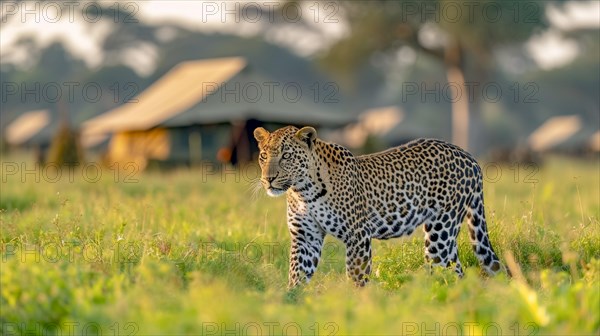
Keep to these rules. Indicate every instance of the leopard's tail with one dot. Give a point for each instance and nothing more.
(478, 234)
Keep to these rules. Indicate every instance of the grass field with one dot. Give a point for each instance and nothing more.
(197, 252)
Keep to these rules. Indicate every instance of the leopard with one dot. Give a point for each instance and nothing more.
(384, 195)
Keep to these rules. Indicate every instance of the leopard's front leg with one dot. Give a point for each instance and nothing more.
(307, 242)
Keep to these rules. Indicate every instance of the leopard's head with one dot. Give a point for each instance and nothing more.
(285, 157)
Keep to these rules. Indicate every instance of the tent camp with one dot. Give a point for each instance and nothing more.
(554, 131)
(205, 110)
(31, 130)
(22, 130)
(379, 121)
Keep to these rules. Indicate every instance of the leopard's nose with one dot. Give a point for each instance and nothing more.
(270, 179)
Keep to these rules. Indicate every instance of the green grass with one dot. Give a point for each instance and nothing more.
(176, 253)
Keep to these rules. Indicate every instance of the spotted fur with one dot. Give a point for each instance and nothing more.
(383, 195)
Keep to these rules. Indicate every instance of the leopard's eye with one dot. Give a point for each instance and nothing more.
(263, 156)
(286, 156)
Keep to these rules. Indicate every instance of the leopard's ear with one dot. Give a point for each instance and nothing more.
(260, 134)
(307, 135)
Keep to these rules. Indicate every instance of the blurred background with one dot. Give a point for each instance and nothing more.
(176, 83)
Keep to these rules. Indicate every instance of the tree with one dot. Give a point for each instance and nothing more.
(463, 35)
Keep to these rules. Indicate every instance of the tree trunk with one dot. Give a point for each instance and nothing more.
(459, 94)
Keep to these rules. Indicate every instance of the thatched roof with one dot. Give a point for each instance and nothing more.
(554, 131)
(208, 92)
(26, 126)
(181, 88)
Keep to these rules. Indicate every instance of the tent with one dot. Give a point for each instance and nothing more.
(23, 129)
(206, 110)
(554, 131)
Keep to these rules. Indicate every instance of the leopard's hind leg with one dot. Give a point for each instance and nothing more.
(478, 234)
(441, 248)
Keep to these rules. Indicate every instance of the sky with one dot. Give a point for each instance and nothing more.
(49, 22)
